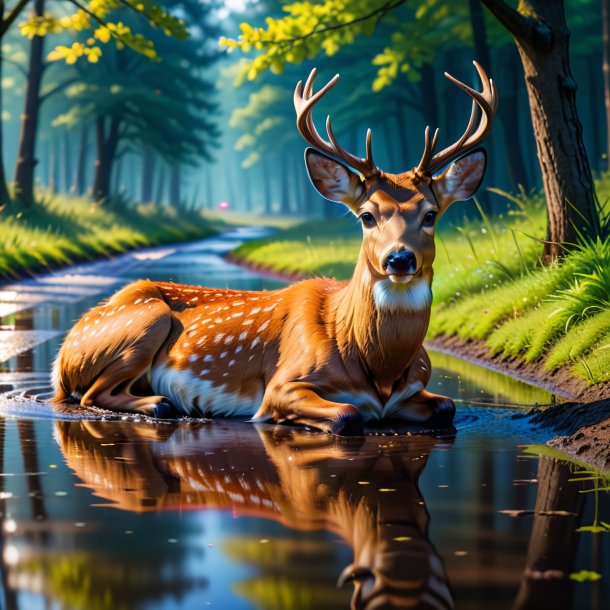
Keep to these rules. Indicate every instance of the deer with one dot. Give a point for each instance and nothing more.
(320, 353)
(305, 481)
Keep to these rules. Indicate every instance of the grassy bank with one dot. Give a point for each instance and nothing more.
(489, 284)
(60, 230)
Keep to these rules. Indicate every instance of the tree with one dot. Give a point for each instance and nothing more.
(92, 16)
(541, 35)
(143, 106)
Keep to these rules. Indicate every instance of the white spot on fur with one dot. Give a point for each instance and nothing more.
(263, 326)
(229, 340)
(208, 358)
(248, 322)
(193, 358)
(243, 335)
(255, 342)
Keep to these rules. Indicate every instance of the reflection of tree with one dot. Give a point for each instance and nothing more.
(10, 596)
(90, 581)
(281, 581)
(365, 493)
(552, 548)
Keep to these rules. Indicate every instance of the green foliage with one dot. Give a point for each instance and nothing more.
(418, 29)
(165, 107)
(60, 231)
(101, 21)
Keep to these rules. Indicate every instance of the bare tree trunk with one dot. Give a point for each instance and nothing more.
(247, 187)
(175, 179)
(4, 194)
(542, 37)
(66, 160)
(267, 187)
(160, 196)
(26, 157)
(606, 71)
(285, 186)
(78, 185)
(510, 118)
(428, 96)
(148, 170)
(106, 145)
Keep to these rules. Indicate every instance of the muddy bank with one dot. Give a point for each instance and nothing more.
(562, 382)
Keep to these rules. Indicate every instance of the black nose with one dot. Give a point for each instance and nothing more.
(402, 261)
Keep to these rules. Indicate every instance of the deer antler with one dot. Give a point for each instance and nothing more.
(304, 101)
(476, 132)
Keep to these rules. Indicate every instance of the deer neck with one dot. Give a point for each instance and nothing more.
(382, 324)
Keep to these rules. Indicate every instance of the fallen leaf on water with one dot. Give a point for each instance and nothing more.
(585, 576)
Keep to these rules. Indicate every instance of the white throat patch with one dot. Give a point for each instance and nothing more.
(393, 296)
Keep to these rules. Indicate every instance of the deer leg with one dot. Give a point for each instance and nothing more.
(432, 410)
(425, 407)
(112, 389)
(298, 403)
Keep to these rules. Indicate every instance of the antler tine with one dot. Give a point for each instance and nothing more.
(304, 101)
(476, 131)
(366, 166)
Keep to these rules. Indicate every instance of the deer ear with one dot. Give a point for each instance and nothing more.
(461, 179)
(333, 180)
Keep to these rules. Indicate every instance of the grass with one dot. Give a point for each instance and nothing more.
(489, 283)
(60, 230)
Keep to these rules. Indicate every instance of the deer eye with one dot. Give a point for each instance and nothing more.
(368, 220)
(429, 219)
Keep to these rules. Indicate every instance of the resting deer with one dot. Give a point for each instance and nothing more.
(305, 481)
(321, 353)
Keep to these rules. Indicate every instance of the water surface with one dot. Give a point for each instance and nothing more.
(128, 513)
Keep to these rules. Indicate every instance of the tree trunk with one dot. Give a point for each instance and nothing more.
(606, 71)
(542, 38)
(552, 545)
(81, 164)
(267, 187)
(285, 186)
(174, 186)
(66, 161)
(26, 157)
(510, 119)
(247, 190)
(160, 196)
(106, 145)
(4, 194)
(148, 170)
(592, 65)
(429, 102)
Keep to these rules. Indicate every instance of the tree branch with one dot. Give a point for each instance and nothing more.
(379, 13)
(525, 29)
(57, 88)
(6, 23)
(17, 65)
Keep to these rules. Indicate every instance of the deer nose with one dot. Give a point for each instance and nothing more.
(400, 261)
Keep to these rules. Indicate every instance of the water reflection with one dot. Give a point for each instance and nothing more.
(365, 492)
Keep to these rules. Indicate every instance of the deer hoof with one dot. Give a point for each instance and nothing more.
(348, 423)
(165, 410)
(443, 414)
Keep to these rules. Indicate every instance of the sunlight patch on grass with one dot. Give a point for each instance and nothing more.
(61, 230)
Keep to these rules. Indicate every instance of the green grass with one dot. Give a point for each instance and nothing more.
(58, 231)
(489, 283)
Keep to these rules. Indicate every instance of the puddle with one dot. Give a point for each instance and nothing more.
(121, 514)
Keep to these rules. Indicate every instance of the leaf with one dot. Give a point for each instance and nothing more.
(585, 576)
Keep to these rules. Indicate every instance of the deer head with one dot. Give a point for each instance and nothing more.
(398, 212)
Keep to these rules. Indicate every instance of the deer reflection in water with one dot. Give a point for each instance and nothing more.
(365, 491)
